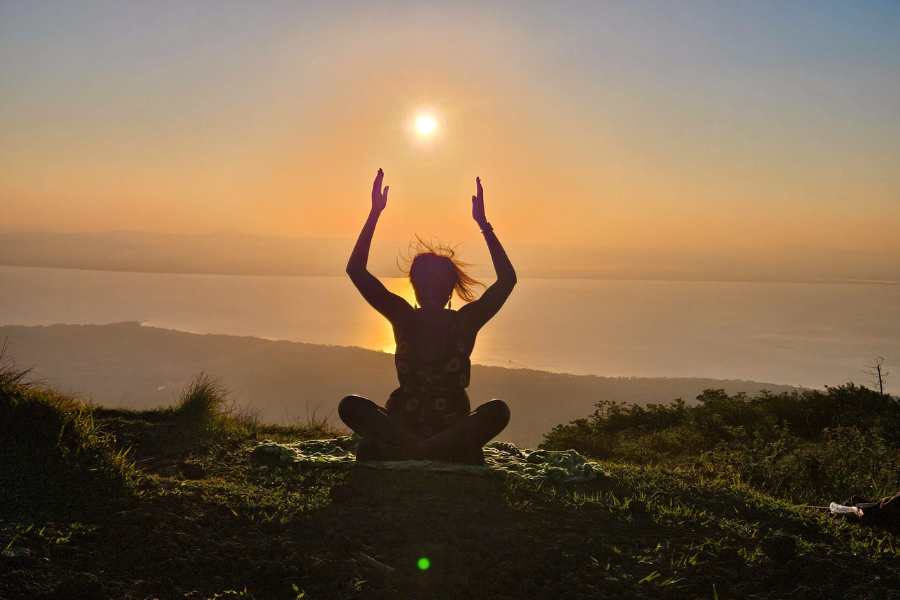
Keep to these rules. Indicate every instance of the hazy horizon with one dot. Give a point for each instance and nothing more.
(787, 333)
(248, 254)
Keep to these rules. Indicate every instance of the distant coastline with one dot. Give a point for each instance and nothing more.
(129, 365)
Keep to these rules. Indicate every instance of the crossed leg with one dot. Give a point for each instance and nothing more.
(386, 438)
(462, 441)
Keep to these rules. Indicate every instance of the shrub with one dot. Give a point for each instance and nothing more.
(803, 445)
(53, 456)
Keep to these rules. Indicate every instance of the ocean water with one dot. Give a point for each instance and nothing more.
(810, 334)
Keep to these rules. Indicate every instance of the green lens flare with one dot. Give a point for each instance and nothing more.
(423, 563)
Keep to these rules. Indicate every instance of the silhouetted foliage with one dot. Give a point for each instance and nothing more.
(202, 401)
(53, 456)
(801, 445)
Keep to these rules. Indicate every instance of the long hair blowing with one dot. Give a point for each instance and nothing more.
(463, 282)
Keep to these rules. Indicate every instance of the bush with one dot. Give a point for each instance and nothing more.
(802, 445)
(845, 462)
(53, 456)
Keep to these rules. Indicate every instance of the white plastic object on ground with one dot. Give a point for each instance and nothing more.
(840, 509)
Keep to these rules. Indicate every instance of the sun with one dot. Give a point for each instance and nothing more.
(426, 124)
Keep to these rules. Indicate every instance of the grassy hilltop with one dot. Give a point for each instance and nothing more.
(102, 503)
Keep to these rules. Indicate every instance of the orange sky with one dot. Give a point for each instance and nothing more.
(596, 126)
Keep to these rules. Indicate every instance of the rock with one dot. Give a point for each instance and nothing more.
(538, 456)
(506, 448)
(555, 473)
(500, 458)
(272, 454)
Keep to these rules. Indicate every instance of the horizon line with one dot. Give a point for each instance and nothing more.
(806, 281)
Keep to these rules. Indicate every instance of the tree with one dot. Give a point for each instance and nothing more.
(878, 373)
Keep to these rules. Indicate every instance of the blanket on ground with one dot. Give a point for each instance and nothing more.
(503, 458)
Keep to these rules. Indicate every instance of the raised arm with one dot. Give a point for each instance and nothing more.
(387, 303)
(481, 311)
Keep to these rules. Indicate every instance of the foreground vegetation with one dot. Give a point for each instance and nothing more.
(102, 503)
(806, 446)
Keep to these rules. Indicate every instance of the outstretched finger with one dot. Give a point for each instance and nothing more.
(376, 185)
(478, 185)
(384, 197)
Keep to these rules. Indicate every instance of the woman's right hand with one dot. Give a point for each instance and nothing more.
(478, 204)
(379, 197)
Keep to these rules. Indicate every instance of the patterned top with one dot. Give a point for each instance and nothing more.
(432, 391)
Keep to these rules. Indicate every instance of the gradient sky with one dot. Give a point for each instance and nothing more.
(755, 127)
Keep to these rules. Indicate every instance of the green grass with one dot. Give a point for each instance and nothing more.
(192, 517)
(202, 402)
(808, 446)
(55, 456)
(205, 409)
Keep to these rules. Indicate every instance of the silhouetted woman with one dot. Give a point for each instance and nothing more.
(429, 415)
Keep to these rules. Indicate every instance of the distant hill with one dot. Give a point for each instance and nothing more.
(126, 365)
